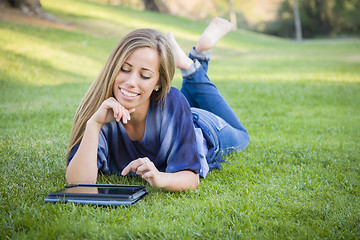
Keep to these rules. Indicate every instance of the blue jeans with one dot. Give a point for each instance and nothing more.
(221, 127)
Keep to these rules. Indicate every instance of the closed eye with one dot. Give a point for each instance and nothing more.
(144, 77)
(124, 70)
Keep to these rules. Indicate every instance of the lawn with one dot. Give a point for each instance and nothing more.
(298, 179)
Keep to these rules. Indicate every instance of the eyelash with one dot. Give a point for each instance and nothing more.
(142, 76)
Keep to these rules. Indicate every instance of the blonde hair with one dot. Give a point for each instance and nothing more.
(102, 88)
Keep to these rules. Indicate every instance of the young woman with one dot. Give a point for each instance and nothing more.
(132, 120)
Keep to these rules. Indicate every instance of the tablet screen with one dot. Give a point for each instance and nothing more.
(101, 190)
(99, 194)
(128, 191)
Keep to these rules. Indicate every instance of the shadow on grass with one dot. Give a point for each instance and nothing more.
(75, 42)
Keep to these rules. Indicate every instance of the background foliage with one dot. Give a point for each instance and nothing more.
(276, 17)
(318, 18)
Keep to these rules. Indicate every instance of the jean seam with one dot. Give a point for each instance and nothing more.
(212, 133)
(234, 148)
(219, 128)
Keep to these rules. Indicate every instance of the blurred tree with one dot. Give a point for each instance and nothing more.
(250, 14)
(232, 13)
(156, 6)
(151, 5)
(297, 21)
(318, 18)
(29, 7)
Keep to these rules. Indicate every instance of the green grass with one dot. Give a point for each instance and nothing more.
(299, 178)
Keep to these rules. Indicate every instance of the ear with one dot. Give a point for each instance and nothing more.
(157, 87)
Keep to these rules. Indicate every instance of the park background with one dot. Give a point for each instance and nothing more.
(299, 177)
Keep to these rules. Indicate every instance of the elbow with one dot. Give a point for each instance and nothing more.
(71, 181)
(195, 183)
(78, 179)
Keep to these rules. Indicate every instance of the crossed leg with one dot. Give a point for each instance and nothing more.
(217, 29)
(197, 87)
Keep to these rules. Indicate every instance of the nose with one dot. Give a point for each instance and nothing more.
(132, 80)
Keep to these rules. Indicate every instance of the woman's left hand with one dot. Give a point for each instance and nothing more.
(147, 170)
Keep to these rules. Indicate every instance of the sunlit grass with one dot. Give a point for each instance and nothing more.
(45, 49)
(299, 177)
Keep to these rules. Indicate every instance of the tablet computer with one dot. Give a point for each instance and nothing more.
(99, 194)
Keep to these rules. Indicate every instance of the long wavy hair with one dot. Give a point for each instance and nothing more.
(102, 88)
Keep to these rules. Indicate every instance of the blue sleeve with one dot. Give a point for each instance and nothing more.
(102, 154)
(177, 135)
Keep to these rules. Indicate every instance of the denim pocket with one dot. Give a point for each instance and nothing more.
(209, 118)
(218, 122)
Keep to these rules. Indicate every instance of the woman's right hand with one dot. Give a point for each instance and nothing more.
(111, 110)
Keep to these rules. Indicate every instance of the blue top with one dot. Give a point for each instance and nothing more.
(171, 141)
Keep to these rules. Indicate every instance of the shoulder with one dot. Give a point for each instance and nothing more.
(175, 105)
(175, 99)
(174, 92)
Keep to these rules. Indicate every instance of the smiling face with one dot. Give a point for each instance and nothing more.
(137, 79)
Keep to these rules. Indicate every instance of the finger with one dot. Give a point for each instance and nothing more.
(143, 168)
(132, 166)
(110, 104)
(116, 113)
(148, 175)
(116, 107)
(121, 113)
(125, 115)
(131, 110)
(128, 115)
(128, 112)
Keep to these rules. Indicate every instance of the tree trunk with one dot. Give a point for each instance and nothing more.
(232, 13)
(30, 8)
(297, 21)
(150, 5)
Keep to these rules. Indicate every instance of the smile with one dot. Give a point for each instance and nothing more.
(128, 94)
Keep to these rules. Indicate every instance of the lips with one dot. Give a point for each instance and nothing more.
(128, 94)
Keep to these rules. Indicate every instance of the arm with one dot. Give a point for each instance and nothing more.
(83, 166)
(178, 181)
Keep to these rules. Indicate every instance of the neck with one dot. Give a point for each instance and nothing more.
(135, 128)
(140, 114)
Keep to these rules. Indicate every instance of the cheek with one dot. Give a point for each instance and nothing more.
(150, 86)
(115, 87)
(157, 82)
(117, 80)
(113, 90)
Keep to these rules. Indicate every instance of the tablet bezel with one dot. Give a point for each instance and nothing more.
(98, 198)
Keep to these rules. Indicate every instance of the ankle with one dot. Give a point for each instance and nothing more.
(190, 70)
(201, 55)
(205, 45)
(217, 29)
(185, 64)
